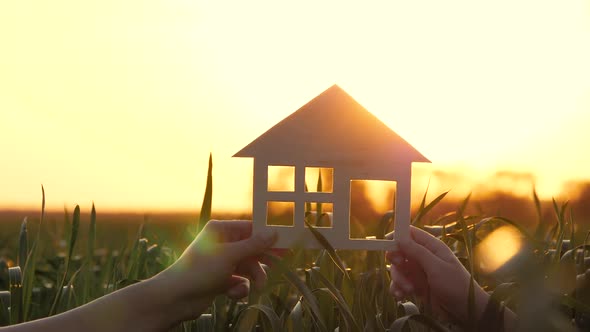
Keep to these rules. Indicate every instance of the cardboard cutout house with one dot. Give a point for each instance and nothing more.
(333, 132)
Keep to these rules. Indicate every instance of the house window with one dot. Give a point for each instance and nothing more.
(319, 179)
(319, 214)
(280, 213)
(372, 204)
(281, 178)
(310, 198)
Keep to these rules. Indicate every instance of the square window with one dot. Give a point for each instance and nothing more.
(280, 213)
(319, 179)
(319, 214)
(281, 178)
(371, 206)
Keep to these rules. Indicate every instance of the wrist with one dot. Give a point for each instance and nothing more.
(177, 303)
(157, 303)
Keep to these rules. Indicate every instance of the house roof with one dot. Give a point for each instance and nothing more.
(332, 127)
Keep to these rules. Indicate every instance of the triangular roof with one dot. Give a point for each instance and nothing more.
(332, 127)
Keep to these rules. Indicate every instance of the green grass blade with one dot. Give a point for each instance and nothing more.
(219, 314)
(42, 218)
(407, 309)
(469, 249)
(29, 279)
(325, 269)
(23, 247)
(270, 323)
(541, 227)
(572, 223)
(4, 305)
(295, 319)
(31, 265)
(464, 204)
(403, 324)
(423, 210)
(67, 226)
(88, 279)
(465, 233)
(329, 249)
(205, 213)
(337, 297)
(307, 295)
(71, 245)
(137, 264)
(16, 295)
(561, 226)
(422, 204)
(574, 303)
(91, 234)
(74, 234)
(385, 224)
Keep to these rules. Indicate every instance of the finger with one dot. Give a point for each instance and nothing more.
(273, 255)
(430, 242)
(400, 280)
(254, 270)
(230, 230)
(281, 252)
(395, 257)
(253, 246)
(420, 255)
(240, 288)
(395, 291)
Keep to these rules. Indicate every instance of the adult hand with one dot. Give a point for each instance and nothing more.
(219, 261)
(424, 266)
(216, 262)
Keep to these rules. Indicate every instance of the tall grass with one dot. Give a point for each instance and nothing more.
(313, 290)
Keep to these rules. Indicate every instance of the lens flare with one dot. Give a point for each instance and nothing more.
(498, 248)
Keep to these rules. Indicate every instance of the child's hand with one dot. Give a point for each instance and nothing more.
(217, 262)
(424, 266)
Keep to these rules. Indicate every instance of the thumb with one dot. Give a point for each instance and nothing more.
(252, 246)
(421, 255)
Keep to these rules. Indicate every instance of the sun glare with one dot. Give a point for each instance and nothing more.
(498, 248)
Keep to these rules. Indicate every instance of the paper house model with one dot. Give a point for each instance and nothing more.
(331, 132)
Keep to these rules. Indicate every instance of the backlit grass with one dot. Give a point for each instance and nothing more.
(54, 266)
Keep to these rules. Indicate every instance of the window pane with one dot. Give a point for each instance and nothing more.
(319, 214)
(280, 213)
(319, 179)
(281, 178)
(370, 201)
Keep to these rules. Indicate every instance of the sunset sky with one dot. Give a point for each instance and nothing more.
(121, 102)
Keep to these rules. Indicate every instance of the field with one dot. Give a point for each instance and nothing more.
(52, 262)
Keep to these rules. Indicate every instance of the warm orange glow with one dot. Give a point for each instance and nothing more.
(120, 103)
(312, 176)
(498, 248)
(281, 178)
(280, 213)
(380, 194)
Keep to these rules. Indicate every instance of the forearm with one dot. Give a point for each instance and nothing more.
(144, 306)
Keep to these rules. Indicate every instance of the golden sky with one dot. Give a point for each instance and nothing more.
(121, 102)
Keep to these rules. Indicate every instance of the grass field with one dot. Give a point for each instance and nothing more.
(52, 262)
